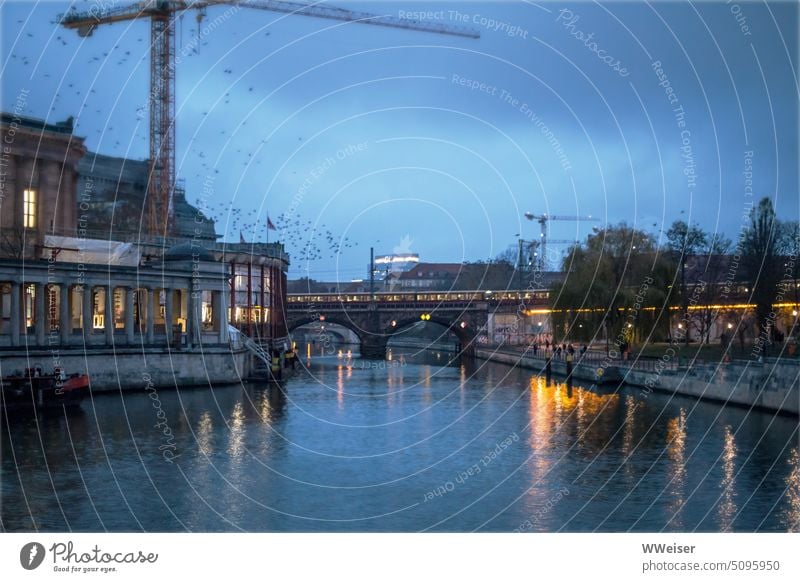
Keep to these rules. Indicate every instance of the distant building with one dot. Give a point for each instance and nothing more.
(388, 265)
(430, 276)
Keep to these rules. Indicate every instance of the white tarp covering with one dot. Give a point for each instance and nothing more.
(91, 251)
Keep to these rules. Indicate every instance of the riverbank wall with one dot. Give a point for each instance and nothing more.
(133, 369)
(773, 385)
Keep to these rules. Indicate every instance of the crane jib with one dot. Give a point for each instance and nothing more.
(161, 13)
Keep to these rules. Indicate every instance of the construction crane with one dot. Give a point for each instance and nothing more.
(543, 220)
(162, 15)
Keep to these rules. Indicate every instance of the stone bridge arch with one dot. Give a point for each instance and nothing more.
(465, 335)
(374, 327)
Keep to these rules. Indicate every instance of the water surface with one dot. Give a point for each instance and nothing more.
(410, 444)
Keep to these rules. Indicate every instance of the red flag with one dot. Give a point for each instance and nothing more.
(270, 226)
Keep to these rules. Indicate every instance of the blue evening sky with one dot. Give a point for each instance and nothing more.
(272, 108)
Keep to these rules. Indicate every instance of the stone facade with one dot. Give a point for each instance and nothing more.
(43, 159)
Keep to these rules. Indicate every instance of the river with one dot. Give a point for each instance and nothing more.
(412, 443)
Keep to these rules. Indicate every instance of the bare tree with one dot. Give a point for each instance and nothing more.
(685, 241)
(13, 242)
(712, 273)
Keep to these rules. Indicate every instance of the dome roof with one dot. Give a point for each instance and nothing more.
(188, 251)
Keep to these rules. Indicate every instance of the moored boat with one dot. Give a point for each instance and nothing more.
(35, 389)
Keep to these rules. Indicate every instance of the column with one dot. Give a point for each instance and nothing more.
(39, 319)
(250, 297)
(151, 314)
(190, 321)
(262, 331)
(197, 317)
(108, 318)
(86, 312)
(129, 331)
(233, 292)
(168, 316)
(15, 312)
(64, 319)
(218, 308)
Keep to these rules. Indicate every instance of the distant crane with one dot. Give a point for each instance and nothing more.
(162, 15)
(543, 220)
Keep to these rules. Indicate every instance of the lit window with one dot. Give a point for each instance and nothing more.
(29, 208)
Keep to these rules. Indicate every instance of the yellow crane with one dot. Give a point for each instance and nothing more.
(162, 15)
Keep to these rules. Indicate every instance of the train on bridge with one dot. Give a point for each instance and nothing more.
(296, 300)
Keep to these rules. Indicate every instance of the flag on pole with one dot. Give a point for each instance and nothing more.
(270, 227)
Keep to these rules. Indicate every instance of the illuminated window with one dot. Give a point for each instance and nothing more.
(29, 208)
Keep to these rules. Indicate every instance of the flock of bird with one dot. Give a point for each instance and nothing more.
(302, 239)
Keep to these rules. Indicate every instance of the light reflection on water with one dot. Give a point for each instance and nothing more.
(355, 447)
(727, 505)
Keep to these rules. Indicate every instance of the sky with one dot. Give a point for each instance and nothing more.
(358, 136)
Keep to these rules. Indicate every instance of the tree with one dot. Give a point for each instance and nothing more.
(610, 278)
(685, 241)
(790, 248)
(14, 241)
(711, 272)
(761, 256)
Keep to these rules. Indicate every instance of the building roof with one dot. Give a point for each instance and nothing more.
(64, 127)
(433, 271)
(188, 251)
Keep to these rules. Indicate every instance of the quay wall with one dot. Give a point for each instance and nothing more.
(131, 369)
(773, 385)
(584, 371)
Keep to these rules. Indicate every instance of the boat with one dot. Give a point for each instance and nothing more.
(35, 389)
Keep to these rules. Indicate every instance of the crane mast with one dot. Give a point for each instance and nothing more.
(159, 214)
(543, 220)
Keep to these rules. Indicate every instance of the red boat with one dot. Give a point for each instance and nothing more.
(36, 389)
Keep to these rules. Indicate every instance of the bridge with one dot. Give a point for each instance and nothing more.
(376, 317)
